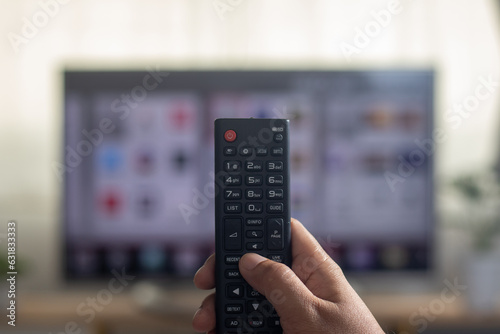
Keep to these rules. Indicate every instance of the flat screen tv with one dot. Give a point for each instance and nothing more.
(137, 164)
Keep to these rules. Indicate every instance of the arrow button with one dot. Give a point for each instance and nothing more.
(234, 290)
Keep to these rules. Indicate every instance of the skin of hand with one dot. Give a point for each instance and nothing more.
(311, 297)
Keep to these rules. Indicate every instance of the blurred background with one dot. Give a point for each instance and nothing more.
(105, 142)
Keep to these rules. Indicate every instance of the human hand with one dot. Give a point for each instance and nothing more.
(311, 297)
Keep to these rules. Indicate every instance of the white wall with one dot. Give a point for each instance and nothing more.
(460, 39)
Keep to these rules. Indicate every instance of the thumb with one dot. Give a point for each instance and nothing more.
(278, 283)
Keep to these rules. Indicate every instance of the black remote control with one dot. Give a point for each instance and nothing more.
(252, 214)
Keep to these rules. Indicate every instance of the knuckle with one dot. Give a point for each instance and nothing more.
(334, 270)
(273, 272)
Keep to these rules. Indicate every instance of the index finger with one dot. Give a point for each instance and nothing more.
(205, 276)
(309, 258)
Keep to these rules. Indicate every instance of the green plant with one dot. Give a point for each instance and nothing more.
(480, 196)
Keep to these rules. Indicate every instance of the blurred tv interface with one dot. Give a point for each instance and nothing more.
(139, 194)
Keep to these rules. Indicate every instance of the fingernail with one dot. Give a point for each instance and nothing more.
(250, 261)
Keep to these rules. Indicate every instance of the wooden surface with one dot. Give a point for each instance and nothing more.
(173, 312)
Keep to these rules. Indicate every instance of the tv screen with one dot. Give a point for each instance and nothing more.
(138, 164)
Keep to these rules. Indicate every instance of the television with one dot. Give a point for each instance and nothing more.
(138, 175)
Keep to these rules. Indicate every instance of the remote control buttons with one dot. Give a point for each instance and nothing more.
(232, 234)
(274, 166)
(253, 293)
(253, 194)
(275, 208)
(252, 234)
(234, 308)
(275, 194)
(233, 323)
(277, 151)
(253, 166)
(235, 290)
(230, 136)
(261, 306)
(275, 180)
(233, 194)
(261, 151)
(232, 259)
(232, 166)
(276, 257)
(246, 151)
(255, 222)
(274, 322)
(256, 320)
(253, 180)
(275, 239)
(232, 208)
(253, 246)
(232, 273)
(232, 180)
(229, 150)
(278, 137)
(254, 208)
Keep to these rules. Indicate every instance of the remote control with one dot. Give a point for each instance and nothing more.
(252, 214)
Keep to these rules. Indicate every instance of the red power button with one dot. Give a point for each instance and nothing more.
(230, 136)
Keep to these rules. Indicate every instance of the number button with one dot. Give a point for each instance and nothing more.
(253, 194)
(254, 208)
(234, 194)
(275, 194)
(253, 166)
(274, 166)
(275, 180)
(232, 166)
(253, 180)
(232, 180)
